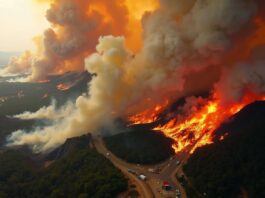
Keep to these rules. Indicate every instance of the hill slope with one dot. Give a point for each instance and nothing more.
(140, 145)
(236, 164)
(78, 171)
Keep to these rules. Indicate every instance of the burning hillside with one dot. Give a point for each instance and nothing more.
(236, 162)
(197, 126)
(169, 49)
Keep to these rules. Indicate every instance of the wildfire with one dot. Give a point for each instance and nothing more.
(43, 81)
(148, 116)
(198, 128)
(63, 87)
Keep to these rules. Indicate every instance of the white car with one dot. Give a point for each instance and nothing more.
(142, 177)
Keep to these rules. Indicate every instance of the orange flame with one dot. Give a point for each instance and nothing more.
(197, 129)
(148, 116)
(63, 87)
(43, 81)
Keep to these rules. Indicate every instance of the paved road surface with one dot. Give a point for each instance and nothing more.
(152, 187)
(145, 190)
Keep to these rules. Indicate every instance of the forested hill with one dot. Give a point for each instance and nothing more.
(236, 164)
(78, 171)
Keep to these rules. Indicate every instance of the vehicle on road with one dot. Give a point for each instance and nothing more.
(166, 186)
(142, 177)
(132, 171)
(153, 170)
(178, 192)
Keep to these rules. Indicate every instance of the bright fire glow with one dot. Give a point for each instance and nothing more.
(197, 129)
(148, 116)
(63, 87)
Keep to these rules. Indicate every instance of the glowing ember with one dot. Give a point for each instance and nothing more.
(63, 87)
(223, 137)
(43, 81)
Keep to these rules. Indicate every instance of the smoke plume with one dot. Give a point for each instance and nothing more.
(181, 40)
(48, 113)
(75, 28)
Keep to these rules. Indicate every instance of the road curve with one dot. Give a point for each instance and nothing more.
(144, 188)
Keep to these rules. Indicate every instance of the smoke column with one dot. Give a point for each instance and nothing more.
(182, 41)
(75, 28)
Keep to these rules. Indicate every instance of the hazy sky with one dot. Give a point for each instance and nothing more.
(20, 21)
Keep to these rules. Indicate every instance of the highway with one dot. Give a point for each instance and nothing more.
(152, 187)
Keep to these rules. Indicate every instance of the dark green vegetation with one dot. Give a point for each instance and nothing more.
(79, 171)
(140, 146)
(75, 169)
(235, 165)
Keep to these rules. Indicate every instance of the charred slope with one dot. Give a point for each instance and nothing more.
(17, 97)
(236, 164)
(140, 145)
(78, 171)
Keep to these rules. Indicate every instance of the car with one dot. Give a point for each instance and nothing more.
(153, 170)
(132, 171)
(108, 154)
(178, 192)
(142, 177)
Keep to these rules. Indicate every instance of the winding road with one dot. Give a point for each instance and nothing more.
(152, 187)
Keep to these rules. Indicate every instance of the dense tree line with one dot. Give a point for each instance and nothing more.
(235, 165)
(82, 173)
(140, 146)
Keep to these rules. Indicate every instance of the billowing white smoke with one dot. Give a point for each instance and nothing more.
(241, 79)
(48, 113)
(18, 64)
(92, 111)
(180, 39)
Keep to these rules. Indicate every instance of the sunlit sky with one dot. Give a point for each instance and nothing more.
(20, 21)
